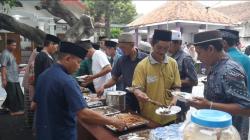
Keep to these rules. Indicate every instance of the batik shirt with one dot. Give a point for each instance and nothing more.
(226, 83)
(186, 69)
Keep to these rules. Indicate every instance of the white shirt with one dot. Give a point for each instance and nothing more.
(99, 61)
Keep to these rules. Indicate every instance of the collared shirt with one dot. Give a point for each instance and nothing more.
(9, 61)
(99, 61)
(154, 78)
(153, 61)
(114, 59)
(125, 67)
(226, 83)
(186, 69)
(243, 60)
(58, 100)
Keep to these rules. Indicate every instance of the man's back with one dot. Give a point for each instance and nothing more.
(42, 62)
(58, 100)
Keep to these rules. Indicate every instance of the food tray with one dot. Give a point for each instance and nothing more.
(106, 110)
(138, 135)
(131, 120)
(94, 104)
(93, 97)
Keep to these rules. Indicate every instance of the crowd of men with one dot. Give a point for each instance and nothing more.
(52, 91)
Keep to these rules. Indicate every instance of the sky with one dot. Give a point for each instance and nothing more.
(145, 6)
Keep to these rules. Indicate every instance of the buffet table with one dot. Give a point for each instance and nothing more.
(97, 132)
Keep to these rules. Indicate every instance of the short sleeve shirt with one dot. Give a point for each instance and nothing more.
(99, 61)
(9, 61)
(154, 78)
(226, 83)
(58, 100)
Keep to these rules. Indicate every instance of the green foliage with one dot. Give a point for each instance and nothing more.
(115, 32)
(10, 3)
(119, 11)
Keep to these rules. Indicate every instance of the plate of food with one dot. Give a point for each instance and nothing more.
(81, 78)
(182, 96)
(163, 111)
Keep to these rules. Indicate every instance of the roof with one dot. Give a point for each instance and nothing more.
(239, 12)
(182, 10)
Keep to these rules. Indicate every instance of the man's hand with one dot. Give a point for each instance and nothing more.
(33, 106)
(88, 79)
(173, 101)
(199, 103)
(142, 97)
(100, 91)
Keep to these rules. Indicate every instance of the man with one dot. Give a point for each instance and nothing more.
(85, 69)
(111, 51)
(231, 38)
(226, 81)
(9, 72)
(154, 75)
(59, 100)
(45, 59)
(100, 67)
(29, 89)
(186, 69)
(102, 43)
(125, 67)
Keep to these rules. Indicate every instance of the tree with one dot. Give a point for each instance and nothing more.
(80, 28)
(111, 11)
(115, 32)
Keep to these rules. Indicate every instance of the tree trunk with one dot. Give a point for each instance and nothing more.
(81, 28)
(10, 24)
(107, 20)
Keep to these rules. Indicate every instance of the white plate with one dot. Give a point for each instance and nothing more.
(172, 111)
(80, 78)
(182, 96)
(22, 65)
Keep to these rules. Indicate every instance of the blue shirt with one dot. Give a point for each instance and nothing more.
(226, 83)
(58, 100)
(243, 60)
(186, 69)
(125, 67)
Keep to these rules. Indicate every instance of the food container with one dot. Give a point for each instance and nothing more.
(116, 99)
(138, 135)
(210, 124)
(106, 110)
(132, 121)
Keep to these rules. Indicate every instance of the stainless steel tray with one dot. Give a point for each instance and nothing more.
(106, 110)
(95, 104)
(132, 121)
(138, 135)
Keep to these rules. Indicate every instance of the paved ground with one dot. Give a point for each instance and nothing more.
(12, 128)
